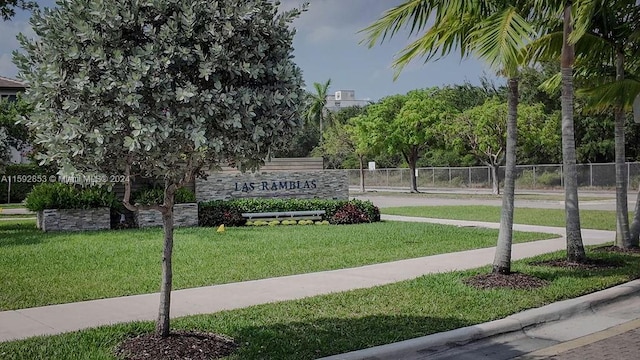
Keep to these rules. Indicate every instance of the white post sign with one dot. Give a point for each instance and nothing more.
(372, 165)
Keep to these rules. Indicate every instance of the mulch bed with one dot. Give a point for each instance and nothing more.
(615, 249)
(589, 264)
(180, 345)
(514, 280)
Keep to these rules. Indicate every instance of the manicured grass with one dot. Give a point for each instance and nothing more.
(50, 268)
(11, 206)
(342, 322)
(589, 219)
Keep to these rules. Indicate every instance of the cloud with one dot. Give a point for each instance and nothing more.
(9, 43)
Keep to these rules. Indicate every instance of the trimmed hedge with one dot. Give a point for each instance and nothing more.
(229, 213)
(19, 190)
(66, 196)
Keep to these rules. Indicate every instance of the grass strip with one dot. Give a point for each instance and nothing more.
(342, 322)
(39, 269)
(590, 219)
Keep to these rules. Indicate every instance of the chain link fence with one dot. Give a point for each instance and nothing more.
(533, 177)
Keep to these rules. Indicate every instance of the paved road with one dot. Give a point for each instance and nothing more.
(406, 199)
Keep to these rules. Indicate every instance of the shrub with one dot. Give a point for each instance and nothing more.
(212, 213)
(66, 196)
(156, 196)
(349, 214)
(218, 212)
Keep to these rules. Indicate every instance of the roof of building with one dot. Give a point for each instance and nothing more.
(11, 83)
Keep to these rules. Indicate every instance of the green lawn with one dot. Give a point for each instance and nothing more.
(337, 323)
(50, 268)
(11, 206)
(589, 219)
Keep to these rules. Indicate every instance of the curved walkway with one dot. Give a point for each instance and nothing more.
(54, 319)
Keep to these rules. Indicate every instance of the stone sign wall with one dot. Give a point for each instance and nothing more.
(277, 184)
(74, 219)
(183, 215)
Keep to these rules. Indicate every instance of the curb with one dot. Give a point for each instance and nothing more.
(516, 322)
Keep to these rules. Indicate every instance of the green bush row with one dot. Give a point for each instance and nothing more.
(229, 213)
(67, 196)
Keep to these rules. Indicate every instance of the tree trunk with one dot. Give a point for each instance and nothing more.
(361, 158)
(412, 161)
(502, 259)
(575, 248)
(623, 238)
(163, 324)
(635, 225)
(495, 180)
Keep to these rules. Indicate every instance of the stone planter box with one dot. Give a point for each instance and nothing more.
(184, 215)
(74, 219)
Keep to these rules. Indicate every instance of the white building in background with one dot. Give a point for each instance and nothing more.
(344, 99)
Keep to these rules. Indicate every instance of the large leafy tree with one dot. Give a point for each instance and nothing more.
(481, 131)
(10, 114)
(8, 7)
(161, 89)
(492, 30)
(4, 149)
(407, 125)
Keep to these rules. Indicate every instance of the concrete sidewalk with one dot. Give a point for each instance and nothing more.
(601, 325)
(61, 318)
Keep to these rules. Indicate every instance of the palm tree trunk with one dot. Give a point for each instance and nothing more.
(163, 324)
(623, 238)
(502, 259)
(575, 248)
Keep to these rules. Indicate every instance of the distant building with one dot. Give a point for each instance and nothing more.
(343, 99)
(9, 89)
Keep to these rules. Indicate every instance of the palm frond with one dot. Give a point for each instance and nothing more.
(610, 95)
(438, 41)
(415, 12)
(583, 12)
(501, 39)
(552, 84)
(547, 47)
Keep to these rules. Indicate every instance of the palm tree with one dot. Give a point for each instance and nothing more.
(548, 46)
(492, 30)
(608, 43)
(316, 112)
(602, 31)
(575, 247)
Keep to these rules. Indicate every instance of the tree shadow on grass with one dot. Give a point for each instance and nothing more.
(14, 234)
(597, 265)
(330, 336)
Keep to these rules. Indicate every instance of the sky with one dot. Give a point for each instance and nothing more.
(327, 46)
